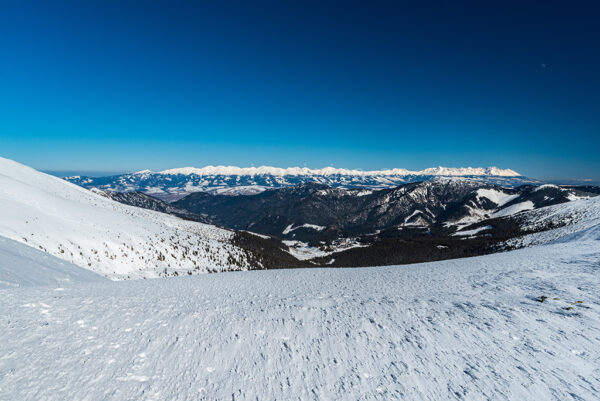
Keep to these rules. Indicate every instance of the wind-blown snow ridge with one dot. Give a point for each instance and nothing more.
(276, 171)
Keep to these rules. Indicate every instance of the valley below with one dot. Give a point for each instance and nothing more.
(438, 219)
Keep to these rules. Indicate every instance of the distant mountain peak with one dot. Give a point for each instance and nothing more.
(327, 171)
(172, 184)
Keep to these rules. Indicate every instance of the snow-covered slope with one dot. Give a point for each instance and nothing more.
(110, 238)
(578, 219)
(24, 266)
(464, 329)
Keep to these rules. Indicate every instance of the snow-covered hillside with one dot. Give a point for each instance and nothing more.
(24, 266)
(575, 219)
(472, 329)
(110, 238)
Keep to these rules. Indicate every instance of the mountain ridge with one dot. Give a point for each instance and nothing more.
(294, 212)
(270, 170)
(173, 184)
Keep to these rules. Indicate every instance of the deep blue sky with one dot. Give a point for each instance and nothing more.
(121, 86)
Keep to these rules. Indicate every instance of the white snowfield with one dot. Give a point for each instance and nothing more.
(513, 209)
(110, 238)
(24, 266)
(461, 329)
(500, 198)
(291, 228)
(471, 232)
(578, 219)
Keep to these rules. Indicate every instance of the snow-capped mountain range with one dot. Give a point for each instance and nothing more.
(175, 183)
(123, 239)
(268, 170)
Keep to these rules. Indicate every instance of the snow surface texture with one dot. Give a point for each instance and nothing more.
(110, 238)
(23, 266)
(459, 329)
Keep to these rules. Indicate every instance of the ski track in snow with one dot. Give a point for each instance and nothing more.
(459, 329)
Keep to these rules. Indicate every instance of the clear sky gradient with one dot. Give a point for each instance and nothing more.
(123, 86)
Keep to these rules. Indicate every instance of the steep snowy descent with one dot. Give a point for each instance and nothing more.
(575, 219)
(24, 266)
(110, 238)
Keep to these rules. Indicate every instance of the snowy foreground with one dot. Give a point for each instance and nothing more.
(459, 329)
